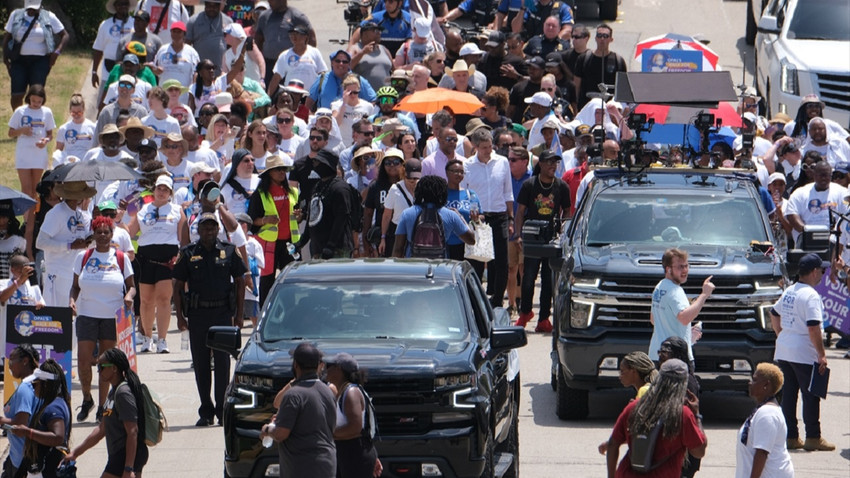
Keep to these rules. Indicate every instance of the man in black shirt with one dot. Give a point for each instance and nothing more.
(546, 42)
(580, 38)
(542, 197)
(525, 88)
(329, 227)
(599, 66)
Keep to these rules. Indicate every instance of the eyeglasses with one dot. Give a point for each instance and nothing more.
(109, 213)
(248, 158)
(341, 61)
(126, 85)
(356, 92)
(317, 138)
(513, 160)
(392, 162)
(603, 35)
(450, 139)
(284, 120)
(386, 100)
(102, 366)
(457, 171)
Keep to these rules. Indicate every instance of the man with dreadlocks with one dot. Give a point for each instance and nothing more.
(667, 402)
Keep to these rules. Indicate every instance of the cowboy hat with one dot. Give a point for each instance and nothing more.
(74, 190)
(135, 123)
(275, 162)
(461, 65)
(110, 6)
(364, 150)
(110, 129)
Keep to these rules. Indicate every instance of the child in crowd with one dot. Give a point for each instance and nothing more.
(33, 125)
(256, 262)
(76, 137)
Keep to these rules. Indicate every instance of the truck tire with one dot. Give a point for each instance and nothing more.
(608, 9)
(750, 35)
(572, 403)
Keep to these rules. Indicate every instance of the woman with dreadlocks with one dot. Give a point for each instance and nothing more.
(664, 403)
(51, 423)
(123, 422)
(637, 371)
(23, 361)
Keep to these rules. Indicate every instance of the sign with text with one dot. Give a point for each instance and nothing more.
(49, 330)
(125, 329)
(836, 303)
(672, 61)
(240, 11)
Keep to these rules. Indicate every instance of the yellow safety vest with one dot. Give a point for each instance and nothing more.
(268, 232)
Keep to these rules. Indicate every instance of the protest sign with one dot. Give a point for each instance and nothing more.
(674, 61)
(240, 11)
(125, 330)
(49, 330)
(836, 303)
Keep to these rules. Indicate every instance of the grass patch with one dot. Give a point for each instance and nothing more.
(65, 79)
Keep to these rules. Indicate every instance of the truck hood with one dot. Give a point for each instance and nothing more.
(713, 259)
(382, 358)
(820, 55)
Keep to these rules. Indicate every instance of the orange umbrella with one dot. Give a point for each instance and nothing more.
(435, 99)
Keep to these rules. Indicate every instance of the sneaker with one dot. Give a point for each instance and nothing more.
(544, 326)
(147, 343)
(524, 318)
(204, 422)
(794, 443)
(161, 346)
(818, 444)
(98, 416)
(85, 409)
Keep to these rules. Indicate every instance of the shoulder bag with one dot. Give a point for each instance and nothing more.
(12, 49)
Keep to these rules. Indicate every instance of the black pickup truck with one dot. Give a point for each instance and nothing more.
(607, 262)
(442, 370)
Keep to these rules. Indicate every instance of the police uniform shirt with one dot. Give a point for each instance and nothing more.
(209, 272)
(396, 30)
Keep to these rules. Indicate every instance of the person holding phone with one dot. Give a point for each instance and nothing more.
(19, 289)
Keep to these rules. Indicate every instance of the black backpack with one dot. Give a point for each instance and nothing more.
(429, 236)
(642, 449)
(356, 217)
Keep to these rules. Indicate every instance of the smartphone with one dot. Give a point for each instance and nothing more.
(249, 43)
(7, 427)
(236, 130)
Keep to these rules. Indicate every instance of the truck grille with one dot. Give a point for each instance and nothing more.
(632, 301)
(834, 90)
(403, 406)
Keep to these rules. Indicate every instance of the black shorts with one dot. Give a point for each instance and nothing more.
(93, 329)
(153, 262)
(115, 464)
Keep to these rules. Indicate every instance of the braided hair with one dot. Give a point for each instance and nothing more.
(642, 364)
(662, 403)
(49, 390)
(431, 190)
(117, 358)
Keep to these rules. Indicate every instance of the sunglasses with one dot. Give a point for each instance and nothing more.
(579, 37)
(392, 162)
(450, 139)
(368, 133)
(356, 92)
(102, 366)
(171, 146)
(386, 100)
(284, 120)
(341, 62)
(126, 85)
(514, 160)
(508, 145)
(750, 105)
(603, 35)
(316, 138)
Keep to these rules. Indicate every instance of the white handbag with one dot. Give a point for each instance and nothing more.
(482, 250)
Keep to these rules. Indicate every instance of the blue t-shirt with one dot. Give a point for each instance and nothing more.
(668, 299)
(509, 5)
(330, 86)
(395, 30)
(57, 409)
(23, 400)
(453, 224)
(461, 199)
(564, 12)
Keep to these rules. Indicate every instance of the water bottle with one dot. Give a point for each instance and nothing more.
(293, 251)
(184, 340)
(268, 441)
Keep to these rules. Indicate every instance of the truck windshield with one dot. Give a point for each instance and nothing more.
(820, 20)
(671, 218)
(357, 310)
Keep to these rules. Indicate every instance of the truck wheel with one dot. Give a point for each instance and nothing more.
(750, 35)
(572, 403)
(608, 9)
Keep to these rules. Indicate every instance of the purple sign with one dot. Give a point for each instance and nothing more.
(836, 303)
(47, 329)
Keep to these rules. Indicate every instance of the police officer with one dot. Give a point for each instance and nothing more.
(208, 266)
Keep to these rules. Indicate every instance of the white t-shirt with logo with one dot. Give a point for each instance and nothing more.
(101, 283)
(176, 13)
(351, 115)
(27, 154)
(161, 127)
(60, 228)
(183, 70)
(233, 199)
(77, 138)
(798, 305)
(813, 206)
(179, 174)
(138, 96)
(26, 294)
(306, 67)
(35, 44)
(158, 225)
(109, 35)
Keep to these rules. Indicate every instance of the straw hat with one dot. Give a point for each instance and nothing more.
(74, 190)
(274, 162)
(176, 138)
(110, 6)
(135, 123)
(364, 150)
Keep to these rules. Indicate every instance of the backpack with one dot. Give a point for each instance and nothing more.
(155, 421)
(355, 217)
(642, 448)
(370, 423)
(429, 237)
(119, 256)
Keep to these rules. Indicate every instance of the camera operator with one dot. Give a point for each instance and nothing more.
(606, 152)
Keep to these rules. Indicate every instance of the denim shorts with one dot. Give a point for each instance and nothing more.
(29, 70)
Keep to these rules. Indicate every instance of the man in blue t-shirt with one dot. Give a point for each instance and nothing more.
(431, 191)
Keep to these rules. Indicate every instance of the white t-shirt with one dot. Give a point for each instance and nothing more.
(183, 112)
(234, 200)
(208, 92)
(181, 71)
(306, 67)
(26, 294)
(109, 35)
(798, 305)
(396, 202)
(161, 127)
(668, 299)
(237, 237)
(350, 116)
(177, 13)
(101, 283)
(290, 146)
(77, 138)
(179, 174)
(206, 155)
(813, 206)
(121, 240)
(255, 250)
(27, 154)
(767, 432)
(158, 225)
(139, 94)
(35, 44)
(60, 228)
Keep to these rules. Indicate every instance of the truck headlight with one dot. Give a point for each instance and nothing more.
(764, 317)
(454, 381)
(581, 314)
(788, 78)
(253, 381)
(247, 397)
(585, 282)
(768, 285)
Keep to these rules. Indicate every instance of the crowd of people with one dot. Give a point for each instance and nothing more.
(256, 151)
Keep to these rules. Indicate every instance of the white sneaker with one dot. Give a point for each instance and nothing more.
(147, 343)
(161, 346)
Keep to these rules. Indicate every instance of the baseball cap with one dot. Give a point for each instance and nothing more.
(470, 49)
(776, 177)
(243, 218)
(32, 4)
(553, 59)
(810, 262)
(164, 179)
(370, 25)
(236, 30)
(132, 58)
(206, 216)
(107, 205)
(136, 48)
(548, 155)
(127, 78)
(422, 27)
(495, 39)
(551, 124)
(178, 26)
(536, 61)
(327, 158)
(843, 167)
(334, 54)
(301, 29)
(413, 168)
(262, 4)
(540, 98)
(199, 167)
(582, 130)
(751, 117)
(148, 143)
(344, 361)
(142, 15)
(674, 368)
